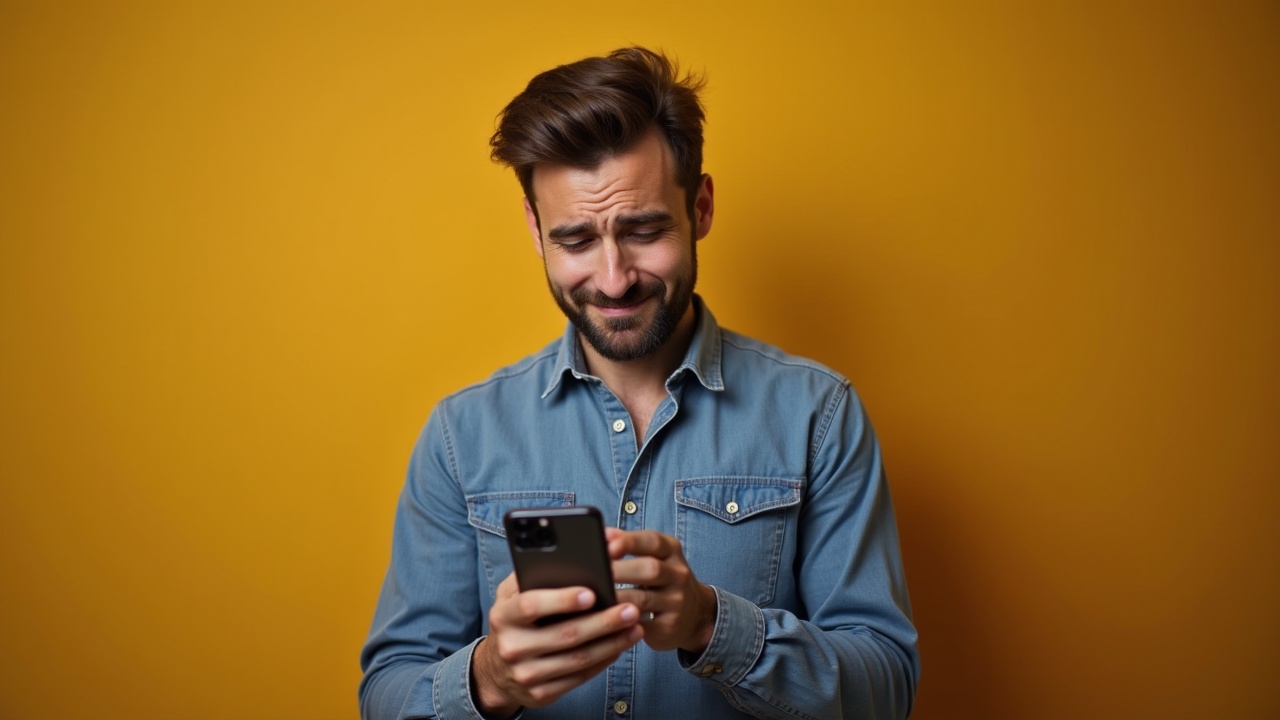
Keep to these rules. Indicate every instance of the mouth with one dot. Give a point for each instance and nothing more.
(621, 310)
(614, 309)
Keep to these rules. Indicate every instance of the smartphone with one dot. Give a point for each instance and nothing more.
(554, 547)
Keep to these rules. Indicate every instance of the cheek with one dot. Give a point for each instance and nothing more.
(568, 272)
(670, 263)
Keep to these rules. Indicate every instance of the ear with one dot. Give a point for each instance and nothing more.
(531, 218)
(704, 208)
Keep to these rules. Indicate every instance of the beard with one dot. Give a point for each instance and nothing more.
(635, 336)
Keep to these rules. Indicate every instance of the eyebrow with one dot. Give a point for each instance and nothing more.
(645, 218)
(564, 231)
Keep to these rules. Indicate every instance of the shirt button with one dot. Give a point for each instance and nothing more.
(731, 508)
(620, 707)
(619, 425)
(709, 670)
(630, 507)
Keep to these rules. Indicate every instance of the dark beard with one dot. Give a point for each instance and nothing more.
(608, 339)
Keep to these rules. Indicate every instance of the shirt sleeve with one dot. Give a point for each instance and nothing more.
(853, 654)
(417, 658)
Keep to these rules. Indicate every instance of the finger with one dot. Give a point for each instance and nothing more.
(648, 571)
(522, 642)
(547, 692)
(644, 542)
(572, 633)
(578, 663)
(643, 598)
(526, 607)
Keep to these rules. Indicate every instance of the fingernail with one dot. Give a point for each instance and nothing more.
(630, 613)
(585, 599)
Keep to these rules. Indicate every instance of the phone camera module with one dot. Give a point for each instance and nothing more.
(535, 534)
(544, 537)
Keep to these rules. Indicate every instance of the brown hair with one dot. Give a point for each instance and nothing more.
(582, 113)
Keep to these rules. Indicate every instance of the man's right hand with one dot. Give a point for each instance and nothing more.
(522, 664)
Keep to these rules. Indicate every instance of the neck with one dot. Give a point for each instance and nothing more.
(641, 383)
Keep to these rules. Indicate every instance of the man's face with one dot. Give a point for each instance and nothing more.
(618, 246)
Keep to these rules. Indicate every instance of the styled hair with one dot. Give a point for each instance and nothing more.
(585, 112)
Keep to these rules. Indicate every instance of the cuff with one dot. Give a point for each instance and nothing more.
(451, 691)
(736, 642)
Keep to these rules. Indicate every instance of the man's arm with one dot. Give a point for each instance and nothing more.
(417, 657)
(422, 658)
(854, 655)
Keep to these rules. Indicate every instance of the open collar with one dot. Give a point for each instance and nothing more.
(703, 358)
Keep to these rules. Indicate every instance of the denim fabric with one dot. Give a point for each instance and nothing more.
(762, 464)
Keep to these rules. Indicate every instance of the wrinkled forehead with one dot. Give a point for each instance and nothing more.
(642, 177)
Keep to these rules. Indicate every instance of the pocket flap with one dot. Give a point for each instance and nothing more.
(734, 499)
(485, 511)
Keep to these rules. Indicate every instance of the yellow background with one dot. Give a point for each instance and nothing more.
(244, 247)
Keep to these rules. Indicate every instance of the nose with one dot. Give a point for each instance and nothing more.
(616, 274)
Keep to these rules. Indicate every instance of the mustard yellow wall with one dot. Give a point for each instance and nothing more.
(244, 247)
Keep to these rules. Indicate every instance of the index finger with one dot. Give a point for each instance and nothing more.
(643, 542)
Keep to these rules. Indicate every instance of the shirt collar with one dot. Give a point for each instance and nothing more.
(702, 358)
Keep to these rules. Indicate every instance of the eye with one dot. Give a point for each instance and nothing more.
(574, 247)
(646, 235)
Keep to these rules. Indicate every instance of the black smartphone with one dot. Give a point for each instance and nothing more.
(554, 547)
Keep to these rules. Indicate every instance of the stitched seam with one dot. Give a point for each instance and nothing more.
(820, 435)
(797, 362)
(533, 363)
(454, 474)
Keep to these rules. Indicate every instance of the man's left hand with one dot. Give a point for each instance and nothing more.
(684, 610)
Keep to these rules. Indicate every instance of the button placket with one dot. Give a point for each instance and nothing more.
(622, 444)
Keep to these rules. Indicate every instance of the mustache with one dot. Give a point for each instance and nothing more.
(633, 295)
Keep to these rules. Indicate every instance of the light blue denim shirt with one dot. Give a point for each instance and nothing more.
(762, 464)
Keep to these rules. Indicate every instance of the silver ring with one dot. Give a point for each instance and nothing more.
(647, 616)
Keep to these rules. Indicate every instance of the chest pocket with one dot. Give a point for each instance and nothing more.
(484, 513)
(738, 531)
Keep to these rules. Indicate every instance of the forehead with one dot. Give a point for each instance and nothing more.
(640, 178)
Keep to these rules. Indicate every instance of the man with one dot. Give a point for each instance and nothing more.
(755, 542)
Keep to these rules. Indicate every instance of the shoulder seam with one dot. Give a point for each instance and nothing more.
(828, 412)
(796, 362)
(447, 437)
(530, 363)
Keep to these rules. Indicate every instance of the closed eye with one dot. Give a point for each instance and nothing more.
(574, 247)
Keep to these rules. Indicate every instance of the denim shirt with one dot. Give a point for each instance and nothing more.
(763, 465)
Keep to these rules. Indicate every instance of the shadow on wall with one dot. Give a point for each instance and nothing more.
(965, 672)
(810, 304)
